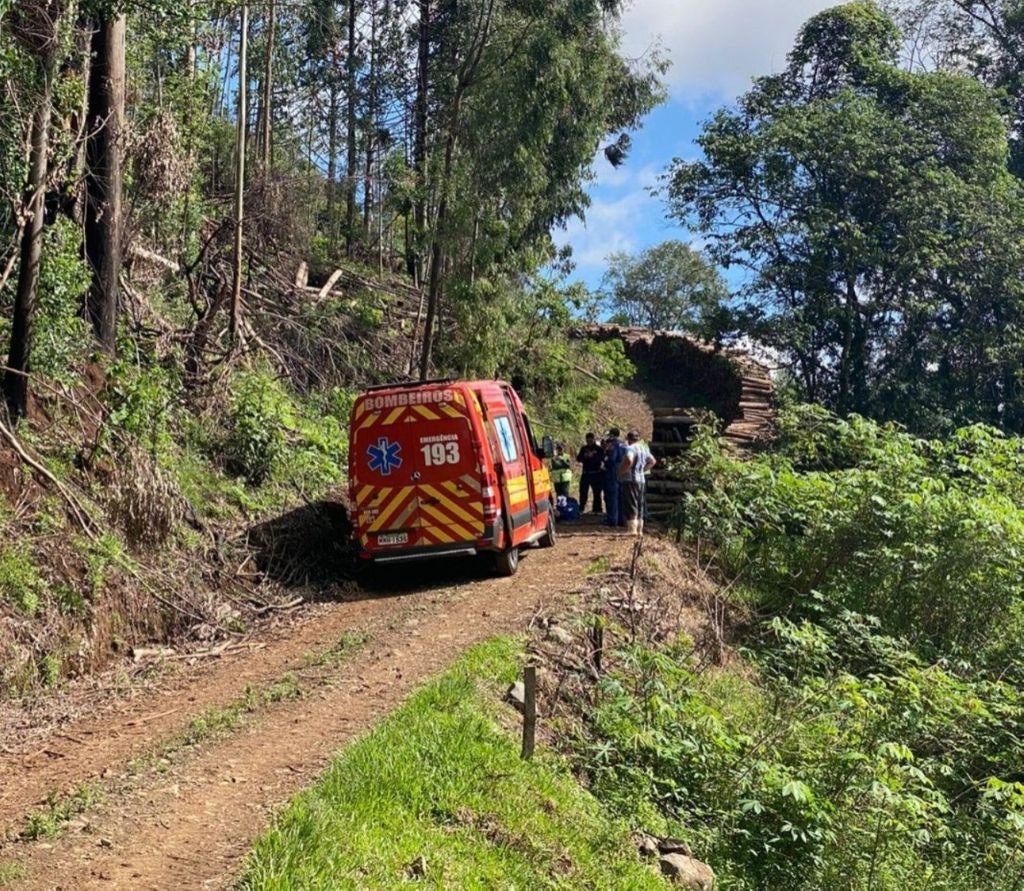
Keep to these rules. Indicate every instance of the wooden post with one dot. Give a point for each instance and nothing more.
(243, 120)
(529, 710)
(597, 641)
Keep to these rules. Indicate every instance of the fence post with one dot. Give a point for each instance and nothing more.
(597, 644)
(529, 710)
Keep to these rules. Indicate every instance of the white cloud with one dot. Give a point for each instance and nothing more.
(717, 46)
(622, 222)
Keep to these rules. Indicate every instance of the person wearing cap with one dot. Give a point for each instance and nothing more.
(636, 463)
(561, 471)
(591, 460)
(614, 453)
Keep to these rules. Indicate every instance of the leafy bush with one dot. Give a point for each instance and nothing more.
(142, 399)
(260, 415)
(847, 762)
(925, 535)
(20, 582)
(272, 435)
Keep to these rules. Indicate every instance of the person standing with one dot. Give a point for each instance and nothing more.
(561, 472)
(592, 476)
(636, 464)
(614, 454)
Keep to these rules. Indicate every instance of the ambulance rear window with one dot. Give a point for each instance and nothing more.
(506, 438)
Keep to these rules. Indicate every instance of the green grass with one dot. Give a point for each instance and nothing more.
(441, 780)
(219, 721)
(350, 643)
(10, 873)
(60, 810)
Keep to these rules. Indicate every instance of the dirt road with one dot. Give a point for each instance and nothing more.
(171, 814)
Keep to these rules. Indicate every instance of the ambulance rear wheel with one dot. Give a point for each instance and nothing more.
(507, 562)
(551, 536)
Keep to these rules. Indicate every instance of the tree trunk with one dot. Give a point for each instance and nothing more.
(332, 160)
(267, 110)
(420, 141)
(15, 382)
(103, 229)
(243, 116)
(371, 126)
(352, 160)
(437, 250)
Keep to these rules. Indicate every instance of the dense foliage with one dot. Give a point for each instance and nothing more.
(669, 287)
(879, 224)
(924, 534)
(877, 737)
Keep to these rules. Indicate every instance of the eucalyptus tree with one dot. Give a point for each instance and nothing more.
(880, 228)
(522, 96)
(37, 28)
(669, 286)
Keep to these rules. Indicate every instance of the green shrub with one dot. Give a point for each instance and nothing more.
(275, 436)
(260, 415)
(846, 762)
(20, 582)
(925, 535)
(142, 400)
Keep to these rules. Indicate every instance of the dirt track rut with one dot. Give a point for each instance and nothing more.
(191, 825)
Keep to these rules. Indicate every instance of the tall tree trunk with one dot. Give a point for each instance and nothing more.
(419, 161)
(353, 159)
(103, 229)
(15, 382)
(371, 126)
(466, 77)
(267, 106)
(332, 160)
(438, 249)
(243, 123)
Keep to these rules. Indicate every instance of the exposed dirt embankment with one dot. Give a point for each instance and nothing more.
(172, 806)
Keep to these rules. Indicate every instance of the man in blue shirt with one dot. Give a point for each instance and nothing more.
(633, 469)
(614, 453)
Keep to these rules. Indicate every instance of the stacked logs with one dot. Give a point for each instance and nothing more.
(679, 373)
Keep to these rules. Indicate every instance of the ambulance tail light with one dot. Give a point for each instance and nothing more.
(492, 502)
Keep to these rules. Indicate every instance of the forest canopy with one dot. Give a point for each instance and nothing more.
(877, 224)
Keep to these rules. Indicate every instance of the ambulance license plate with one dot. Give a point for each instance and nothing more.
(396, 538)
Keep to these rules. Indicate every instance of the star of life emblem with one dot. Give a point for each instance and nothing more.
(385, 456)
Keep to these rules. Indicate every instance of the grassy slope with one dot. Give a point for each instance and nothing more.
(442, 779)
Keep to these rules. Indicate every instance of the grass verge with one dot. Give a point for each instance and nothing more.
(438, 795)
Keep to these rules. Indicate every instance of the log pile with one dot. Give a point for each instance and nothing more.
(682, 377)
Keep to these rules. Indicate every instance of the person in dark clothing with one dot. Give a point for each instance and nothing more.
(614, 453)
(591, 459)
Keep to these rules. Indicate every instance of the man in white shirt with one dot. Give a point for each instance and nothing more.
(633, 480)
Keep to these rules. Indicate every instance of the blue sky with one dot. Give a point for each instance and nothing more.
(716, 47)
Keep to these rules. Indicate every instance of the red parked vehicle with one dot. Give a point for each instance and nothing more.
(448, 468)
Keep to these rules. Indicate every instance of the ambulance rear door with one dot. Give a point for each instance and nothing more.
(451, 477)
(385, 472)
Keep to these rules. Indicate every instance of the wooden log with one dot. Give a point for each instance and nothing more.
(331, 282)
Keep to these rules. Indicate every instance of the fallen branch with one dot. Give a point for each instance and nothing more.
(79, 512)
(331, 282)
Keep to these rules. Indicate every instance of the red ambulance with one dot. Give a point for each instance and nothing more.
(448, 468)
